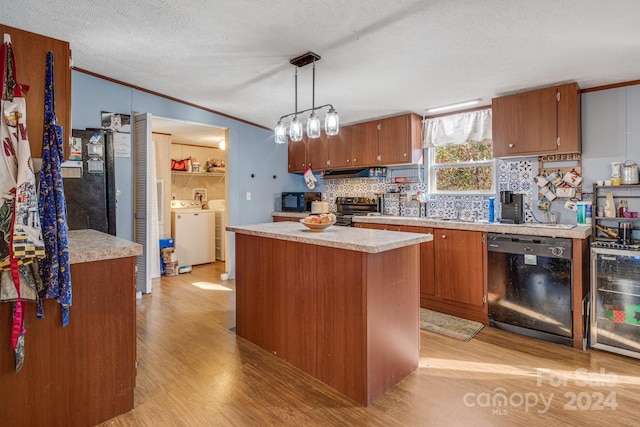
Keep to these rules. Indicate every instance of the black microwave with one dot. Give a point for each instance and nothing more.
(299, 201)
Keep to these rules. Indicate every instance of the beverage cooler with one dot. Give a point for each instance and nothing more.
(615, 300)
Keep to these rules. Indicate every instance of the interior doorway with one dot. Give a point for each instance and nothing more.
(205, 146)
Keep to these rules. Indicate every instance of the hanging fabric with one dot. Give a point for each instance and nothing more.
(21, 241)
(54, 267)
(458, 128)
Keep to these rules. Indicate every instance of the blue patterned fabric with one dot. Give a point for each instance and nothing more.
(54, 268)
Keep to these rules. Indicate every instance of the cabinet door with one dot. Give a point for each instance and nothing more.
(339, 149)
(394, 143)
(317, 154)
(459, 266)
(364, 144)
(525, 123)
(569, 119)
(427, 283)
(297, 156)
(30, 50)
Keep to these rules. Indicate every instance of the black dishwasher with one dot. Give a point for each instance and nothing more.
(530, 286)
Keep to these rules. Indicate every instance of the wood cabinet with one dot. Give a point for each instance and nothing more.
(543, 121)
(339, 149)
(460, 268)
(30, 51)
(364, 144)
(391, 141)
(453, 270)
(385, 142)
(317, 152)
(340, 315)
(297, 156)
(285, 218)
(84, 373)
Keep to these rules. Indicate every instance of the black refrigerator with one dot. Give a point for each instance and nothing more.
(90, 190)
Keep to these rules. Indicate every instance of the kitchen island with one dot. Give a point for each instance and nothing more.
(84, 373)
(341, 305)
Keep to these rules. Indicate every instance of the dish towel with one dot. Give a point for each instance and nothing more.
(54, 267)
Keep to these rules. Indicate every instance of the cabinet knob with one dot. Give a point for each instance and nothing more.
(348, 160)
(405, 154)
(379, 158)
(355, 160)
(444, 237)
(328, 162)
(510, 145)
(379, 126)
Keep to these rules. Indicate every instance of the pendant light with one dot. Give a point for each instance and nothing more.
(313, 128)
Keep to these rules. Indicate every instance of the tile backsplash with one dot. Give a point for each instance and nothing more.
(515, 176)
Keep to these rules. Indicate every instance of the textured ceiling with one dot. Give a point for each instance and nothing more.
(379, 57)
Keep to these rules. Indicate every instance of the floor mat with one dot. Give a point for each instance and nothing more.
(451, 326)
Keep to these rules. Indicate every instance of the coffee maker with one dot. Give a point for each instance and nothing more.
(512, 208)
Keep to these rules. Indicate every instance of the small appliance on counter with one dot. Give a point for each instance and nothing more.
(512, 208)
(319, 207)
(299, 201)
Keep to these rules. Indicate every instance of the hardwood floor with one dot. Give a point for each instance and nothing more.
(192, 371)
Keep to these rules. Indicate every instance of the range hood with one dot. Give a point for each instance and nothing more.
(347, 173)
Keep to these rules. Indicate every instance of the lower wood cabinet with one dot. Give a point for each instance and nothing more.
(453, 270)
(285, 218)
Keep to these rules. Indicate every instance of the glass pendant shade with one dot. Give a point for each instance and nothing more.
(313, 126)
(280, 133)
(332, 123)
(295, 130)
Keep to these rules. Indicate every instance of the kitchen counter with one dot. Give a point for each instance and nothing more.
(100, 340)
(92, 245)
(350, 238)
(332, 303)
(531, 229)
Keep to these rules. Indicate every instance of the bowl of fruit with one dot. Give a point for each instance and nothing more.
(319, 222)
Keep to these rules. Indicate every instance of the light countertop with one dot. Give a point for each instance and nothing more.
(531, 229)
(350, 238)
(92, 245)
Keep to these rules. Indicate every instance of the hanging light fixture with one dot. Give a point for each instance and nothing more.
(331, 121)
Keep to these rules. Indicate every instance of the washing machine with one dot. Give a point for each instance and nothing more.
(218, 206)
(193, 230)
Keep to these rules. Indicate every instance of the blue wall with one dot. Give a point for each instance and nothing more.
(251, 150)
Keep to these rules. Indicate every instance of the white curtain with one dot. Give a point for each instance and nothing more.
(457, 128)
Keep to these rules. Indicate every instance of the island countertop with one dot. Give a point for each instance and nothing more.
(350, 238)
(92, 245)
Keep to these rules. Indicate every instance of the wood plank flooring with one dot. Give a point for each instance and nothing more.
(192, 371)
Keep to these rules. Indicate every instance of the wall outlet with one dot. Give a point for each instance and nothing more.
(248, 195)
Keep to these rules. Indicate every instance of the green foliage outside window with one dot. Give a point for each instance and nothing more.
(467, 167)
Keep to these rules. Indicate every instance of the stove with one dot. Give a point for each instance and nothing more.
(348, 207)
(615, 245)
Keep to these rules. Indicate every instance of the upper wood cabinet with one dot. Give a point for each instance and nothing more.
(30, 51)
(543, 121)
(297, 156)
(317, 152)
(339, 149)
(385, 142)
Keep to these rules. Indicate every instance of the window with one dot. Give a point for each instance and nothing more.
(460, 153)
(462, 168)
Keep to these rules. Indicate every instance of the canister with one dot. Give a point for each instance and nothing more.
(584, 213)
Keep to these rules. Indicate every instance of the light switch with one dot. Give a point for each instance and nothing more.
(248, 195)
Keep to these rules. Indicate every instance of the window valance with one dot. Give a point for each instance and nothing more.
(457, 128)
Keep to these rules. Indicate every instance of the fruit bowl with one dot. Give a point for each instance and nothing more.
(319, 222)
(314, 226)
